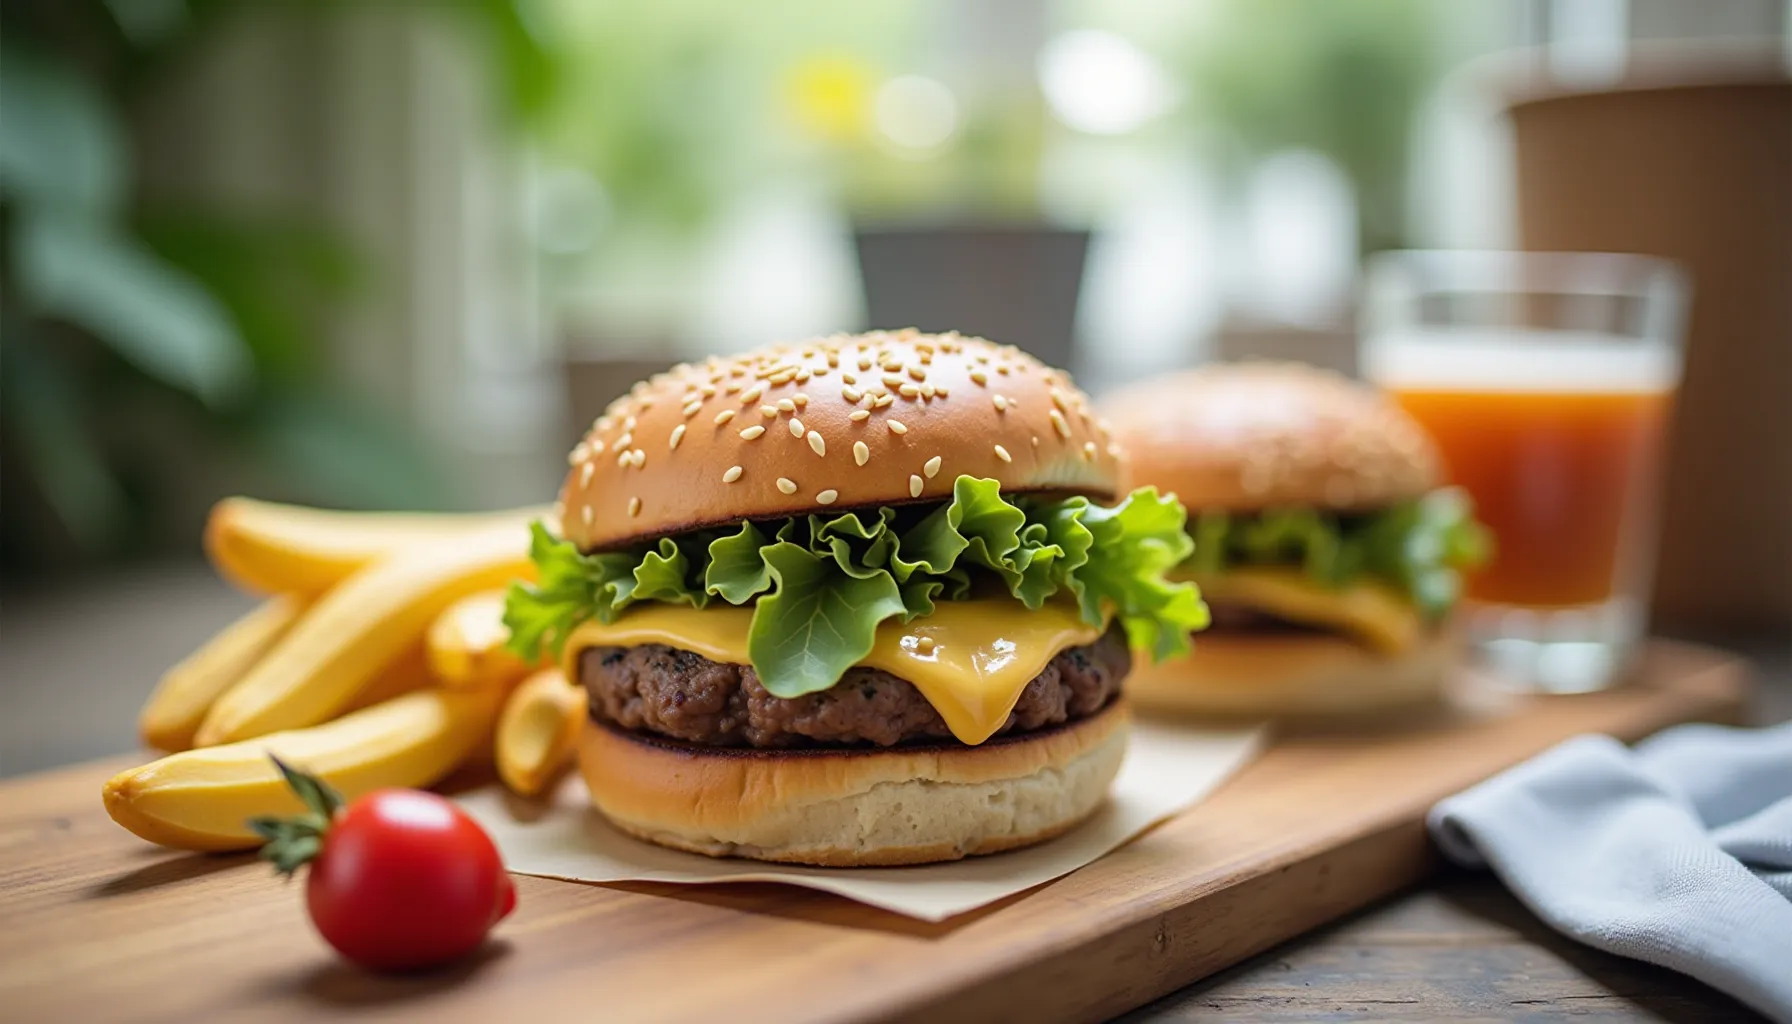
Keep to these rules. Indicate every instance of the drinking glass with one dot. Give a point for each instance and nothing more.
(1547, 380)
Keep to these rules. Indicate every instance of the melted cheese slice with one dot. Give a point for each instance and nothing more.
(1372, 612)
(969, 659)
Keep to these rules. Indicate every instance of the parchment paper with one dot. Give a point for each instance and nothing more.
(1167, 768)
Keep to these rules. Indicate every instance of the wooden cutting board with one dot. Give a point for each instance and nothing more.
(96, 925)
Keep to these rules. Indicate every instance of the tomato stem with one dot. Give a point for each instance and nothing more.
(294, 841)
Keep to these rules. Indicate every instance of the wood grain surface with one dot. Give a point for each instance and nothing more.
(96, 925)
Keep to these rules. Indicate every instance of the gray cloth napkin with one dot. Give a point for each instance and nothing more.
(1677, 852)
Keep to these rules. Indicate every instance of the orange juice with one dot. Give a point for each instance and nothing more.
(1562, 477)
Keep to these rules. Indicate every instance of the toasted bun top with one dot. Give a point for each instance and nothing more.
(1249, 436)
(883, 418)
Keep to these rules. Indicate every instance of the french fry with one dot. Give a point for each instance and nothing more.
(408, 674)
(360, 627)
(187, 691)
(202, 799)
(466, 644)
(538, 731)
(269, 548)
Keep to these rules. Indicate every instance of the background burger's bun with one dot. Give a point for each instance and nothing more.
(1248, 436)
(855, 808)
(1242, 674)
(772, 433)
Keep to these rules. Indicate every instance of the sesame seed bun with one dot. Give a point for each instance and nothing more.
(1248, 436)
(839, 807)
(884, 418)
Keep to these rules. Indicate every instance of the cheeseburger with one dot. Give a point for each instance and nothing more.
(1322, 543)
(864, 600)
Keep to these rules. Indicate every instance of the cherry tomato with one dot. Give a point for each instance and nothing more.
(406, 880)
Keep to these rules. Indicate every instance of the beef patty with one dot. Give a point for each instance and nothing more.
(686, 696)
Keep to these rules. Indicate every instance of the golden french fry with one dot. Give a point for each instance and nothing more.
(408, 674)
(186, 692)
(359, 628)
(202, 799)
(270, 548)
(538, 731)
(466, 644)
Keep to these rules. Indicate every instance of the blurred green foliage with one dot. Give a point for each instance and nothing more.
(1343, 78)
(144, 348)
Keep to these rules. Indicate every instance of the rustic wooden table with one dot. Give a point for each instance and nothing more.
(1458, 948)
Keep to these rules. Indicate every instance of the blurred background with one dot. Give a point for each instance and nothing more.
(395, 255)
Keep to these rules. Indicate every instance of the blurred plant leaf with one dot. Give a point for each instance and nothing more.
(277, 276)
(60, 144)
(154, 316)
(44, 417)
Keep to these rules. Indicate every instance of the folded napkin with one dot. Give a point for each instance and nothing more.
(1677, 852)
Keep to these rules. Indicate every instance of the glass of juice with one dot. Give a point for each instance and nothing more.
(1547, 380)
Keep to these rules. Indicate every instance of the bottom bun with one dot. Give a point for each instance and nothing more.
(854, 807)
(1241, 674)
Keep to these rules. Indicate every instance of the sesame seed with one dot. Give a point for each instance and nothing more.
(707, 390)
(851, 394)
(786, 405)
(802, 375)
(625, 440)
(896, 427)
(586, 515)
(1002, 453)
(580, 452)
(892, 381)
(1035, 440)
(623, 458)
(1058, 423)
(585, 472)
(752, 394)
(751, 432)
(724, 416)
(940, 391)
(628, 423)
(1003, 370)
(891, 365)
(928, 391)
(787, 485)
(732, 475)
(782, 377)
(909, 391)
(816, 442)
(1001, 403)
(932, 467)
(796, 427)
(677, 436)
(640, 458)
(917, 372)
(864, 362)
(848, 378)
(822, 371)
(925, 644)
(1089, 450)
(883, 400)
(860, 415)
(800, 400)
(691, 408)
(860, 453)
(1113, 449)
(1058, 399)
(827, 497)
(979, 377)
(768, 411)
(732, 387)
(914, 486)
(597, 447)
(634, 506)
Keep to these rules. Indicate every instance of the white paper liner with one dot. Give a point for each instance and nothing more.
(1167, 769)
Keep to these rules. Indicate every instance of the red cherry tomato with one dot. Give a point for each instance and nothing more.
(406, 880)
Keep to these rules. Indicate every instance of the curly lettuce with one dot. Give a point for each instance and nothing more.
(821, 585)
(1419, 547)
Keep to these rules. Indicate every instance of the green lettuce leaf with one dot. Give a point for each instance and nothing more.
(1420, 547)
(820, 586)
